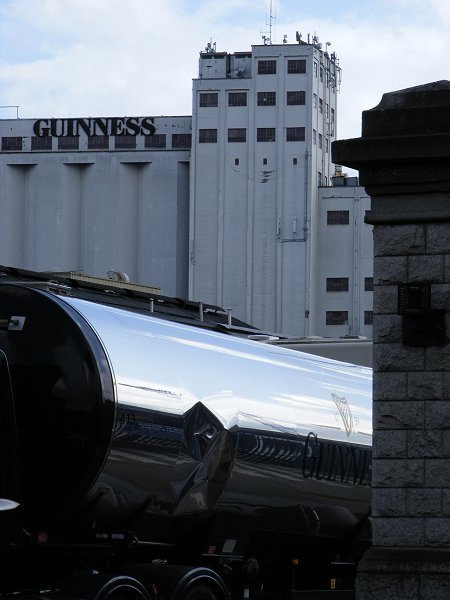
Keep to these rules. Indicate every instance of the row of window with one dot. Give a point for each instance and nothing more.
(100, 142)
(340, 284)
(293, 98)
(340, 317)
(263, 134)
(295, 66)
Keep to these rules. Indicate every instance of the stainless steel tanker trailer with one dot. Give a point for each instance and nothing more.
(146, 458)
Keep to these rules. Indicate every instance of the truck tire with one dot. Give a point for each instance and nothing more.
(200, 591)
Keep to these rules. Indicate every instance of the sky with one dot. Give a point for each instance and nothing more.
(81, 58)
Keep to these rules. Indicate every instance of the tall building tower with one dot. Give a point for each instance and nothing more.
(263, 123)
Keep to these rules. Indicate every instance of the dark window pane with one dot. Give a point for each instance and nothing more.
(11, 143)
(267, 67)
(207, 136)
(125, 142)
(338, 217)
(237, 135)
(98, 142)
(209, 99)
(368, 284)
(41, 143)
(157, 140)
(336, 317)
(368, 317)
(265, 134)
(337, 284)
(295, 98)
(237, 99)
(181, 140)
(296, 66)
(267, 98)
(295, 134)
(69, 142)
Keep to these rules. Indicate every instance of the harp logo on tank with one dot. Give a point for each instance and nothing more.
(345, 412)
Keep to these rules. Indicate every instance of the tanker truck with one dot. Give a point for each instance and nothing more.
(152, 459)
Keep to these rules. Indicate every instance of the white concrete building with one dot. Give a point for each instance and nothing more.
(263, 123)
(229, 206)
(344, 270)
(91, 195)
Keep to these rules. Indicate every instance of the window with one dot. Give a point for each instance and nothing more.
(368, 284)
(295, 134)
(336, 317)
(327, 110)
(337, 284)
(69, 142)
(338, 217)
(315, 68)
(327, 145)
(314, 100)
(98, 142)
(314, 136)
(41, 143)
(209, 99)
(294, 161)
(237, 99)
(297, 65)
(11, 143)
(265, 134)
(157, 140)
(295, 98)
(320, 140)
(266, 98)
(125, 142)
(368, 317)
(264, 161)
(319, 178)
(320, 105)
(181, 140)
(332, 115)
(207, 136)
(236, 162)
(267, 67)
(321, 73)
(237, 135)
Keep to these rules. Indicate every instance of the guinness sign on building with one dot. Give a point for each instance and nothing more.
(94, 126)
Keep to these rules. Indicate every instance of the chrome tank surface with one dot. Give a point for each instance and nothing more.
(210, 423)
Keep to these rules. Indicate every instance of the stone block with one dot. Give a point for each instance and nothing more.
(437, 531)
(385, 299)
(397, 357)
(437, 238)
(434, 587)
(447, 268)
(394, 240)
(437, 414)
(389, 502)
(446, 443)
(426, 269)
(392, 532)
(390, 444)
(446, 502)
(438, 357)
(370, 586)
(425, 385)
(425, 444)
(424, 502)
(398, 473)
(440, 296)
(390, 269)
(390, 386)
(400, 415)
(437, 472)
(387, 328)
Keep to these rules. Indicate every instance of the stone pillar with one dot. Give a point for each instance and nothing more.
(403, 158)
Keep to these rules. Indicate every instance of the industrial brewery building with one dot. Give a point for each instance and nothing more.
(238, 205)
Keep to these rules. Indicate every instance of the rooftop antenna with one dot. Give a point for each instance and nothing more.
(268, 39)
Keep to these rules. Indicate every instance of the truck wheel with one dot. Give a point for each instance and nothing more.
(200, 592)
